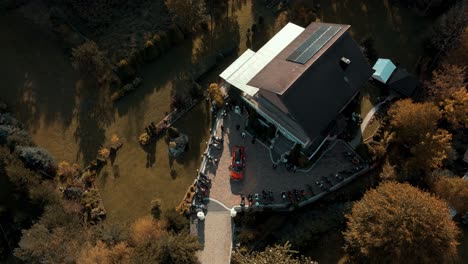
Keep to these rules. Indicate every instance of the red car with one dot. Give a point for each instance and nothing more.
(237, 163)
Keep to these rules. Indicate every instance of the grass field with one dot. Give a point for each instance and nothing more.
(368, 98)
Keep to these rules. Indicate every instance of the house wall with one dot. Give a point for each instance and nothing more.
(281, 129)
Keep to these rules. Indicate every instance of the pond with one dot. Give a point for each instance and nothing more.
(44, 91)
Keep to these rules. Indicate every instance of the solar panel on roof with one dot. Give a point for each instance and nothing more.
(313, 44)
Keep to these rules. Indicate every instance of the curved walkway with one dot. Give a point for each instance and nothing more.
(357, 139)
(215, 234)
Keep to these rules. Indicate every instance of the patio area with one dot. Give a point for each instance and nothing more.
(259, 173)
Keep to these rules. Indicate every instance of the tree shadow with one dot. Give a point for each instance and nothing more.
(112, 157)
(150, 150)
(158, 74)
(38, 78)
(223, 39)
(93, 113)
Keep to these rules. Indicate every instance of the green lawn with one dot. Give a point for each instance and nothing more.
(371, 128)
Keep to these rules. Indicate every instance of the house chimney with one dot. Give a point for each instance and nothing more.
(344, 62)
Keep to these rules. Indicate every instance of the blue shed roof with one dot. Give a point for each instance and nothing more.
(383, 70)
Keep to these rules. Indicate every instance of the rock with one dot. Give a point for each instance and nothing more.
(178, 145)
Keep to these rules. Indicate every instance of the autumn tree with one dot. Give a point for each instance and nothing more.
(416, 130)
(179, 248)
(455, 109)
(392, 222)
(216, 95)
(388, 172)
(67, 173)
(447, 30)
(156, 208)
(175, 222)
(146, 229)
(454, 190)
(431, 152)
(89, 61)
(413, 120)
(275, 254)
(104, 254)
(40, 244)
(445, 81)
(187, 13)
(459, 55)
(447, 89)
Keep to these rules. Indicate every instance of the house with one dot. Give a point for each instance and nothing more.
(395, 78)
(301, 79)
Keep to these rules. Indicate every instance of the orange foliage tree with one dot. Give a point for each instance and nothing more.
(104, 254)
(398, 223)
(454, 190)
(447, 89)
(412, 121)
(415, 125)
(146, 229)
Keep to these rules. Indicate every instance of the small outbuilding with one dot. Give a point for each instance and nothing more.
(395, 78)
(383, 69)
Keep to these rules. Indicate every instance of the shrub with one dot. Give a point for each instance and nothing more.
(175, 35)
(8, 119)
(179, 248)
(150, 51)
(19, 138)
(37, 158)
(156, 208)
(165, 41)
(5, 131)
(195, 90)
(175, 221)
(157, 41)
(145, 230)
(136, 59)
(67, 173)
(216, 95)
(89, 61)
(125, 71)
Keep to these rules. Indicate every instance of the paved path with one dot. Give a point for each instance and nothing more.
(357, 139)
(215, 234)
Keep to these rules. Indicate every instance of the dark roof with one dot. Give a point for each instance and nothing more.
(320, 93)
(280, 74)
(403, 82)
